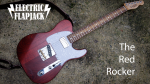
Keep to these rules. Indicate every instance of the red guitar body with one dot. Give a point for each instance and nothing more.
(29, 58)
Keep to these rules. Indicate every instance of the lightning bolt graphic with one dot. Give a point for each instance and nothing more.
(11, 9)
(47, 9)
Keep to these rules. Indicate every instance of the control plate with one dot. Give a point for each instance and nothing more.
(49, 68)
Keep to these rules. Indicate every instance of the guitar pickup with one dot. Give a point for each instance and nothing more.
(64, 42)
(46, 52)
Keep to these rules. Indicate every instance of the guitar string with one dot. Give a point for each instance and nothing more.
(85, 30)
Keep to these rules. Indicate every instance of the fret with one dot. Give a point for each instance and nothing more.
(107, 19)
(103, 19)
(77, 37)
(87, 32)
(113, 15)
(120, 10)
(96, 25)
(98, 21)
(101, 23)
(72, 39)
(81, 34)
(84, 33)
(74, 36)
(109, 16)
(124, 8)
(91, 27)
(88, 29)
(116, 12)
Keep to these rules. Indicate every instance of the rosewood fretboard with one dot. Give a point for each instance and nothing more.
(89, 28)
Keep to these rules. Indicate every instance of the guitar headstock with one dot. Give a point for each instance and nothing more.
(133, 5)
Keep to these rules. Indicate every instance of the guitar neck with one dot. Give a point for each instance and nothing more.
(91, 27)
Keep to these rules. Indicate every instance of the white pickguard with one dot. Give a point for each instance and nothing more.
(64, 54)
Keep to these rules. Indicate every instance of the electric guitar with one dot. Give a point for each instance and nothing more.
(42, 55)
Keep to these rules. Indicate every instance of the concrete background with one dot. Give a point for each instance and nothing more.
(132, 27)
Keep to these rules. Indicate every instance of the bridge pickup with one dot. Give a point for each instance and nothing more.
(49, 68)
(46, 52)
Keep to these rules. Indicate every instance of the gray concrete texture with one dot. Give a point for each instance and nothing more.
(103, 49)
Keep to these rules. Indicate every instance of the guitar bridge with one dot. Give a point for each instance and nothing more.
(46, 52)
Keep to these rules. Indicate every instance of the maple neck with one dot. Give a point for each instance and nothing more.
(91, 27)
